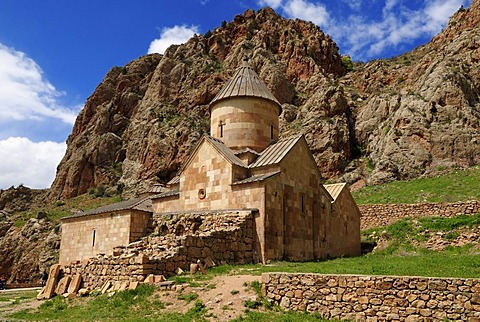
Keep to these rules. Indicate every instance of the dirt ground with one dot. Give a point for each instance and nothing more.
(15, 302)
(223, 297)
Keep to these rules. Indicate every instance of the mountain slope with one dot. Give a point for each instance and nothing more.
(143, 119)
(421, 111)
(387, 120)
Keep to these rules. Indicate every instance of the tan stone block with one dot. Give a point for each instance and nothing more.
(75, 284)
(201, 267)
(179, 271)
(106, 286)
(83, 292)
(193, 268)
(49, 289)
(133, 285)
(159, 278)
(142, 259)
(62, 285)
(124, 285)
(150, 279)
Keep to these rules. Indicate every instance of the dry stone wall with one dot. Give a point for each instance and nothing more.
(376, 298)
(382, 215)
(178, 241)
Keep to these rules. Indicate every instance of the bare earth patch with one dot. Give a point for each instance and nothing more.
(223, 297)
(12, 303)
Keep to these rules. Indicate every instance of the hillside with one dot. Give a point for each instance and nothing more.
(453, 186)
(386, 120)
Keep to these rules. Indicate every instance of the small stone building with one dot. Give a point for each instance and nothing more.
(98, 231)
(241, 165)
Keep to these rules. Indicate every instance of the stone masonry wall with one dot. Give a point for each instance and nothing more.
(382, 215)
(376, 298)
(178, 241)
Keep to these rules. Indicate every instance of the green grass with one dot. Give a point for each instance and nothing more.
(17, 295)
(138, 305)
(399, 258)
(251, 316)
(129, 305)
(407, 229)
(59, 209)
(450, 263)
(458, 185)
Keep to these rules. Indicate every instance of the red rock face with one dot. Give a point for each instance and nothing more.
(407, 115)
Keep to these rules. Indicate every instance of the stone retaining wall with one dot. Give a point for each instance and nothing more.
(382, 215)
(376, 298)
(178, 241)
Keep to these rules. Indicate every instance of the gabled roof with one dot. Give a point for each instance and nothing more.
(245, 82)
(157, 188)
(174, 180)
(245, 150)
(142, 204)
(225, 151)
(166, 194)
(256, 178)
(217, 145)
(275, 152)
(335, 189)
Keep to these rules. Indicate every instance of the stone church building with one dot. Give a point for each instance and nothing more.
(241, 165)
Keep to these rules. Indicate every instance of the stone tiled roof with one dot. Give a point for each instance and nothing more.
(220, 147)
(245, 82)
(166, 194)
(245, 150)
(256, 178)
(157, 188)
(174, 180)
(142, 204)
(335, 189)
(275, 152)
(225, 151)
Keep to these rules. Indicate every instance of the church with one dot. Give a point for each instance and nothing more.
(242, 164)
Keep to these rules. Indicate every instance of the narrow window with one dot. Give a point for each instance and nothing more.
(221, 124)
(93, 240)
(271, 132)
(303, 203)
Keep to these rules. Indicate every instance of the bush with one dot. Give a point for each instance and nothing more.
(347, 63)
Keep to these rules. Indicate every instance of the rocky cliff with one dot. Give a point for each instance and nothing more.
(388, 119)
(420, 112)
(27, 246)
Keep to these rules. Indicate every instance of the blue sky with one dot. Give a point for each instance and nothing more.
(54, 53)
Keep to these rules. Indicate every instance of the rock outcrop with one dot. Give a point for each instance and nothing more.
(143, 119)
(389, 119)
(420, 112)
(27, 251)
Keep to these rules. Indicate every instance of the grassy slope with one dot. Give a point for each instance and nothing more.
(457, 185)
(400, 257)
(61, 209)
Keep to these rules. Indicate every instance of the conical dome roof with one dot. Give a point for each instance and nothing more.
(245, 82)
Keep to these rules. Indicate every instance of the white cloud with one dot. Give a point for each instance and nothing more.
(364, 38)
(25, 94)
(439, 11)
(366, 35)
(29, 163)
(353, 4)
(172, 36)
(275, 4)
(305, 10)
